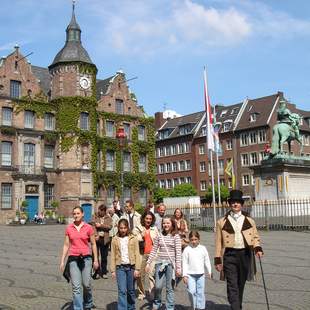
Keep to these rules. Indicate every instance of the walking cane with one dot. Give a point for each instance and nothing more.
(261, 268)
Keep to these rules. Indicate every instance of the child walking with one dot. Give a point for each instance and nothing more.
(125, 265)
(167, 250)
(194, 259)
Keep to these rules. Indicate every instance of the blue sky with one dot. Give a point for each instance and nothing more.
(251, 48)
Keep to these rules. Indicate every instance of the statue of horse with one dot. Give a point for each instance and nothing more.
(285, 132)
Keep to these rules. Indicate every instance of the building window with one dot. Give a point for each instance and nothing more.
(48, 195)
(244, 139)
(223, 113)
(182, 165)
(181, 148)
(254, 159)
(229, 144)
(127, 130)
(202, 149)
(244, 160)
(29, 119)
(234, 111)
(226, 126)
(7, 116)
(143, 196)
(126, 161)
(188, 165)
(6, 196)
(99, 154)
(49, 121)
(253, 117)
(168, 150)
(246, 180)
(6, 153)
(221, 166)
(161, 152)
(109, 128)
(204, 130)
(173, 149)
(119, 106)
(141, 133)
(186, 147)
(168, 167)
(110, 195)
(169, 183)
(253, 137)
(84, 121)
(182, 180)
(110, 161)
(49, 156)
(175, 182)
(29, 156)
(162, 184)
(174, 166)
(185, 129)
(161, 168)
(202, 166)
(142, 163)
(189, 180)
(203, 185)
(15, 89)
(126, 194)
(262, 136)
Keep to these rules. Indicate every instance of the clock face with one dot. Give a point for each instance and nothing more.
(85, 82)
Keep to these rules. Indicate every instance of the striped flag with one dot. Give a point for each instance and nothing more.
(210, 130)
(230, 172)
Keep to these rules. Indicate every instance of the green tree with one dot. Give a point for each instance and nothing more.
(159, 194)
(224, 193)
(182, 190)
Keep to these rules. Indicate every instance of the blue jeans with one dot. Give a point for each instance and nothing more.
(163, 277)
(79, 279)
(196, 290)
(126, 287)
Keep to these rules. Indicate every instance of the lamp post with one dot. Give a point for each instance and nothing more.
(121, 138)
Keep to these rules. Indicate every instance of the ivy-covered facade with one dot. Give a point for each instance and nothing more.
(58, 133)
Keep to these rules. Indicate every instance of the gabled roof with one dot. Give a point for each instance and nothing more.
(262, 107)
(42, 74)
(176, 122)
(102, 86)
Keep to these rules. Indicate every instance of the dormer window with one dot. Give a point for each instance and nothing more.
(234, 111)
(185, 129)
(253, 117)
(164, 134)
(223, 113)
(226, 126)
(204, 131)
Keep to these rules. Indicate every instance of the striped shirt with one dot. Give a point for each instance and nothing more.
(173, 244)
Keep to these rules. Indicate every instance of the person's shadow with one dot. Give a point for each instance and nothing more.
(67, 306)
(112, 306)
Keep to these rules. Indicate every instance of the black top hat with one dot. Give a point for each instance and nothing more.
(236, 195)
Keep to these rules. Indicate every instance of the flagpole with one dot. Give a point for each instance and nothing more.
(210, 139)
(217, 148)
(213, 190)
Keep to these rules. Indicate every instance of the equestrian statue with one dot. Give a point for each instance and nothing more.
(286, 130)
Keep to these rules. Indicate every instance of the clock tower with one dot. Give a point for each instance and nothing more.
(72, 70)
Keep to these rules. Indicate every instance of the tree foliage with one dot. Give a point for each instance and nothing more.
(159, 194)
(224, 193)
(182, 190)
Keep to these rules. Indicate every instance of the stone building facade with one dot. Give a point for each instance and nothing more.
(59, 135)
(245, 130)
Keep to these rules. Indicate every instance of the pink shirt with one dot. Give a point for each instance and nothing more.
(79, 240)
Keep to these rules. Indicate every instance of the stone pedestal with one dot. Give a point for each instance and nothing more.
(282, 178)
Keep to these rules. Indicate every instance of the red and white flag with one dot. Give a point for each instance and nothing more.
(210, 129)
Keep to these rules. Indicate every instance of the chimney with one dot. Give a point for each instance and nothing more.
(159, 119)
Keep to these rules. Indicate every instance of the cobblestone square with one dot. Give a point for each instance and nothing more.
(30, 277)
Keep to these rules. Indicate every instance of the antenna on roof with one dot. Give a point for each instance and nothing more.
(134, 78)
(16, 61)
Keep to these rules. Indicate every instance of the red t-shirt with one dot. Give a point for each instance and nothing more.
(148, 243)
(79, 240)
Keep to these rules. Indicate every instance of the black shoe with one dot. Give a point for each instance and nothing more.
(92, 307)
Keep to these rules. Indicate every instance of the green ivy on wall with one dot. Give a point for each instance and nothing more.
(67, 111)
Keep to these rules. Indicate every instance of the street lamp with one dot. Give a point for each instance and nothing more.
(121, 138)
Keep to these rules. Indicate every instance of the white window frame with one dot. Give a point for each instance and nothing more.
(29, 119)
(49, 160)
(49, 121)
(244, 176)
(245, 162)
(6, 153)
(7, 116)
(203, 185)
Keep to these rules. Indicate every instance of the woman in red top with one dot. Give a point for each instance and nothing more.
(146, 233)
(76, 246)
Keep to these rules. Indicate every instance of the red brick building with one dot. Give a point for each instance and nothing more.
(58, 134)
(245, 129)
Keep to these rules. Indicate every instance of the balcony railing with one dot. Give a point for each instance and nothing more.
(29, 169)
